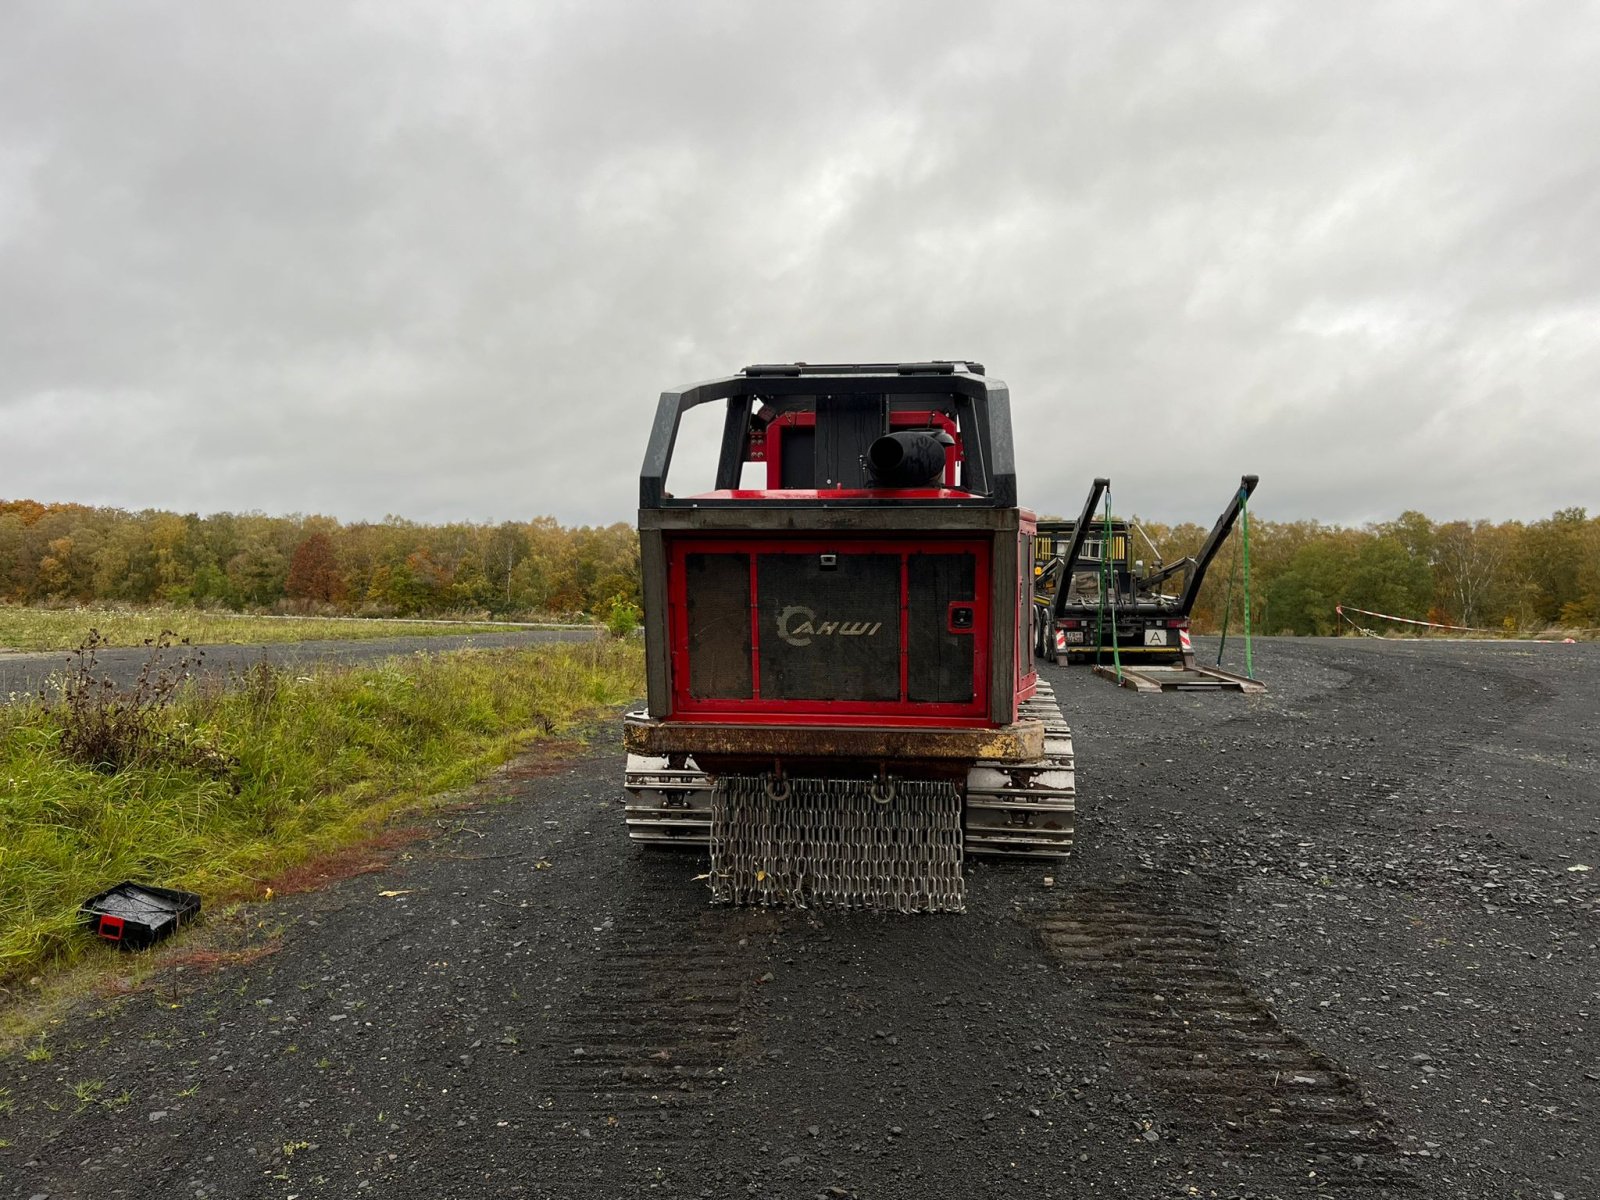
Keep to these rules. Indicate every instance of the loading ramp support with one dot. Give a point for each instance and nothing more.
(1189, 678)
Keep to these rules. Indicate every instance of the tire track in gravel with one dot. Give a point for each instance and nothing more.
(1182, 1020)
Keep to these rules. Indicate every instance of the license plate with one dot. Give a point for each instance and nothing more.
(1075, 635)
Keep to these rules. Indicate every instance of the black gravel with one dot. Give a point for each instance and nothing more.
(25, 674)
(1326, 941)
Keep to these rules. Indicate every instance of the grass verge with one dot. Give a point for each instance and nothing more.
(35, 629)
(248, 780)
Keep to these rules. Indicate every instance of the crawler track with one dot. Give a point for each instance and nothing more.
(1169, 1000)
(1026, 810)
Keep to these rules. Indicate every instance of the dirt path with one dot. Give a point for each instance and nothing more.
(1332, 947)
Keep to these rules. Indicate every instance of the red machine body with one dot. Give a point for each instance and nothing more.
(841, 599)
(866, 615)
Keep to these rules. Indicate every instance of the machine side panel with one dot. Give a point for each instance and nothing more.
(1027, 683)
(1003, 629)
(657, 646)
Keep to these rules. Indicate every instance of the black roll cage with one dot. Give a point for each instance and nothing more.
(981, 408)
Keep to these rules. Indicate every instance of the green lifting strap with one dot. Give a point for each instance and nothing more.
(1244, 531)
(1227, 605)
(1107, 578)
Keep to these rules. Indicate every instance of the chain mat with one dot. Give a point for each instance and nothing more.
(831, 843)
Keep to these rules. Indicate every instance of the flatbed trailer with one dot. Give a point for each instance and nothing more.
(1095, 600)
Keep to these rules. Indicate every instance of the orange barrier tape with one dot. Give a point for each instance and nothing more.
(1341, 609)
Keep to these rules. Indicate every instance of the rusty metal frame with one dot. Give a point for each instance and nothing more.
(1015, 742)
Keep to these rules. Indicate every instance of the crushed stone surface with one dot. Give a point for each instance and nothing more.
(1331, 940)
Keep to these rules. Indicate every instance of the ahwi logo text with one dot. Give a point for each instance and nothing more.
(798, 625)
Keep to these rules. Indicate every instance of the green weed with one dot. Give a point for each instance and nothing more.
(87, 1092)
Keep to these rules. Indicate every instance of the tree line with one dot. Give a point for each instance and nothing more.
(1511, 576)
(70, 553)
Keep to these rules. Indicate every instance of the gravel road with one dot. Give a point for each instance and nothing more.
(25, 674)
(1326, 941)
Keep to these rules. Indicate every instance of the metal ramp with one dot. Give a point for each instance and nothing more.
(1187, 678)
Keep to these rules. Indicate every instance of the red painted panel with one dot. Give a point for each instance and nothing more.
(1027, 669)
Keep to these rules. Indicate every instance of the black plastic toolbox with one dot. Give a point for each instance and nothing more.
(136, 915)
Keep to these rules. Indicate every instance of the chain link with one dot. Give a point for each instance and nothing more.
(837, 843)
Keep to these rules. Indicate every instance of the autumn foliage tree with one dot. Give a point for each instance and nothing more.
(314, 572)
(1504, 577)
(70, 553)
(1507, 576)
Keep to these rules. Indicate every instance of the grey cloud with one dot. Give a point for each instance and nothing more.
(438, 260)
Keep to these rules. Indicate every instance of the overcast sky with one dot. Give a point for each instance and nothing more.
(439, 259)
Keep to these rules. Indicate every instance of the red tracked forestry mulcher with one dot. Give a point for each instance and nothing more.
(842, 698)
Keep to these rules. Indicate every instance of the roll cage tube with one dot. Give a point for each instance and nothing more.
(1213, 543)
(981, 407)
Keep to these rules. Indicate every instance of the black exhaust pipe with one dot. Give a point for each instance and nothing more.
(907, 459)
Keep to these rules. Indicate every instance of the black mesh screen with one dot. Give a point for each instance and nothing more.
(941, 661)
(718, 587)
(829, 633)
(797, 466)
(846, 426)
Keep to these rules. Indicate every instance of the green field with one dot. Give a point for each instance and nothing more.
(63, 628)
(220, 789)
